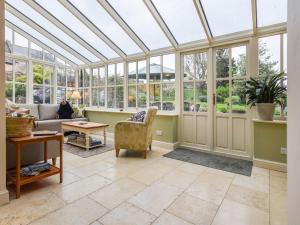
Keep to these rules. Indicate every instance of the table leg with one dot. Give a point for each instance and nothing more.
(87, 142)
(104, 135)
(61, 158)
(18, 169)
(45, 151)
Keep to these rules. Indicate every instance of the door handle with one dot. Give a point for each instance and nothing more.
(214, 99)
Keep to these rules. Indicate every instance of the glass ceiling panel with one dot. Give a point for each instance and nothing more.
(66, 17)
(138, 17)
(271, 12)
(51, 28)
(19, 23)
(230, 16)
(97, 15)
(182, 19)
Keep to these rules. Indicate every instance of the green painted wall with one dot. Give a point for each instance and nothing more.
(268, 139)
(167, 124)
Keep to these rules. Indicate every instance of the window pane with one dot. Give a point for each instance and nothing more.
(60, 94)
(238, 98)
(106, 24)
(285, 53)
(120, 97)
(222, 96)
(169, 68)
(20, 71)
(69, 95)
(111, 74)
(145, 26)
(182, 19)
(188, 96)
(132, 96)
(48, 75)
(132, 73)
(142, 78)
(222, 13)
(80, 79)
(49, 95)
(66, 17)
(168, 97)
(61, 76)
(95, 97)
(20, 93)
(201, 65)
(155, 69)
(222, 63)
(95, 77)
(38, 76)
(36, 51)
(110, 97)
(87, 75)
(271, 12)
(154, 95)
(48, 56)
(9, 69)
(269, 55)
(201, 97)
(70, 77)
(21, 45)
(9, 91)
(142, 96)
(238, 61)
(86, 97)
(102, 76)
(38, 94)
(120, 74)
(8, 40)
(189, 67)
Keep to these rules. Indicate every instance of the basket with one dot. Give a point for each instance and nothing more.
(19, 127)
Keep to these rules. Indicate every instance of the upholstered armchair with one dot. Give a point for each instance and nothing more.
(135, 135)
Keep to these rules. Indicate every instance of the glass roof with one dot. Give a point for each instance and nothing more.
(230, 16)
(51, 28)
(137, 16)
(180, 17)
(96, 14)
(67, 18)
(177, 14)
(20, 24)
(271, 12)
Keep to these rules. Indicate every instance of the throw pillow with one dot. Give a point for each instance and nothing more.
(139, 116)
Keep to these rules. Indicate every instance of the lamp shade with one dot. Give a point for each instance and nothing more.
(76, 95)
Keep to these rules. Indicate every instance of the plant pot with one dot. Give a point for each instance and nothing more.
(265, 111)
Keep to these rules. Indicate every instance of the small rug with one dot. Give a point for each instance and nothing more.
(85, 154)
(232, 165)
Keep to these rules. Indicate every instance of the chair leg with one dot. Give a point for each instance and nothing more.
(145, 154)
(117, 153)
(150, 147)
(54, 161)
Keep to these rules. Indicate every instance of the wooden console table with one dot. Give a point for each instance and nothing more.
(16, 177)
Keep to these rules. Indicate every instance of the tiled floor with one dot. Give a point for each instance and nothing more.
(103, 190)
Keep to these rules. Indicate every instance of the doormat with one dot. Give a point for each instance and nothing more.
(232, 165)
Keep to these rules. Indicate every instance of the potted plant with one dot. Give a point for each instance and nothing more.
(264, 93)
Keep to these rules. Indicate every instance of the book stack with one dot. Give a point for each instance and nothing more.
(81, 139)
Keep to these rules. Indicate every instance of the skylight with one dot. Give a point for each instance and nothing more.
(271, 12)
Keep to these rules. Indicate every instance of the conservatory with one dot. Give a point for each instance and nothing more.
(190, 61)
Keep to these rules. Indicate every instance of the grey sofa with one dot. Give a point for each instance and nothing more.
(46, 120)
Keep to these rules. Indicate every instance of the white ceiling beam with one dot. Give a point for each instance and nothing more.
(38, 42)
(203, 20)
(64, 28)
(72, 9)
(112, 12)
(161, 23)
(41, 30)
(254, 15)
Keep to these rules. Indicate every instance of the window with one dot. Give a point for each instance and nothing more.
(20, 45)
(195, 82)
(61, 80)
(231, 75)
(36, 51)
(48, 56)
(162, 82)
(8, 40)
(271, 12)
(84, 86)
(115, 86)
(42, 84)
(98, 86)
(16, 80)
(272, 59)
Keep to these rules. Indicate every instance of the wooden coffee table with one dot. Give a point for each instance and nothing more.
(87, 128)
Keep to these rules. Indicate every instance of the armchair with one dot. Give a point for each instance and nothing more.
(135, 135)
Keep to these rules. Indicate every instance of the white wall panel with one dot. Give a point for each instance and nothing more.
(201, 130)
(238, 134)
(222, 124)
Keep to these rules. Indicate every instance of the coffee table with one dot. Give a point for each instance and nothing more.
(87, 128)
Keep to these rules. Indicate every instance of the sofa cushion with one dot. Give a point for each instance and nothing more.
(48, 111)
(33, 109)
(55, 125)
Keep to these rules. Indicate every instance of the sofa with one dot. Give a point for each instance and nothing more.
(45, 116)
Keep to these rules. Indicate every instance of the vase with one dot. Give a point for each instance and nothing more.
(265, 111)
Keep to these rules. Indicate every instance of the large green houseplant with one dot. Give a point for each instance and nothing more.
(264, 92)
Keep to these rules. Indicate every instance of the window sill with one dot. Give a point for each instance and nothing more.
(128, 111)
(270, 122)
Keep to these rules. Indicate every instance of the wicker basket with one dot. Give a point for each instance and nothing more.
(19, 127)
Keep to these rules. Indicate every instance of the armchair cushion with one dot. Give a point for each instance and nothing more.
(139, 116)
